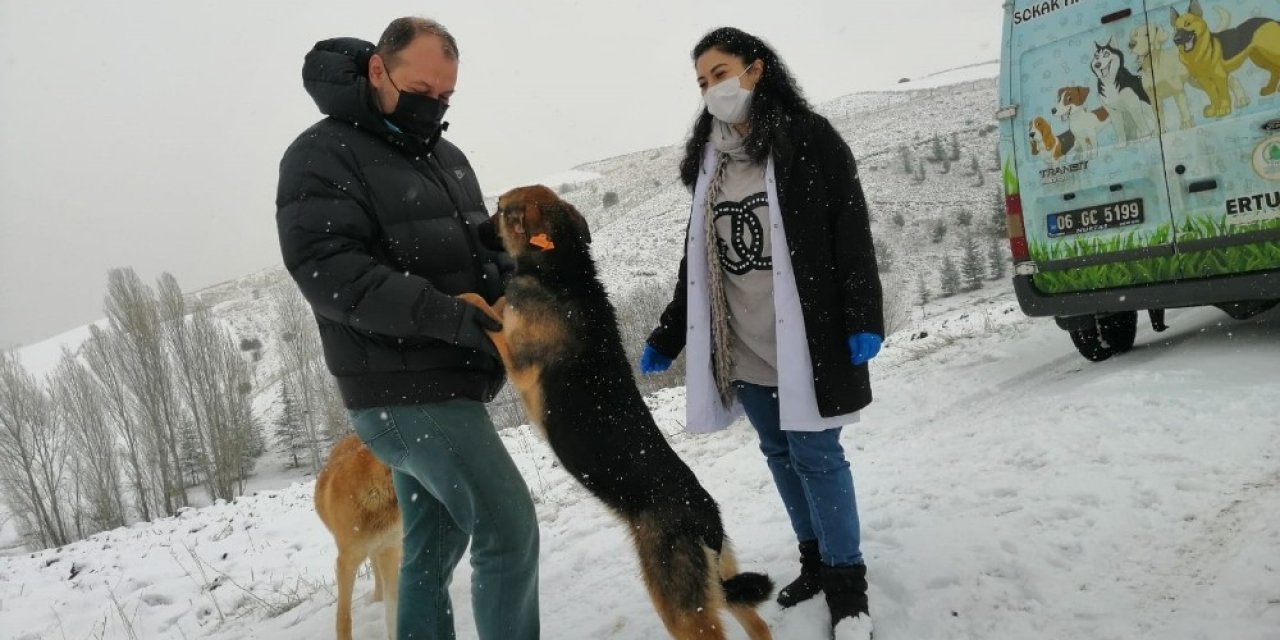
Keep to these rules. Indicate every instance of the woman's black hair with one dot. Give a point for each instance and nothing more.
(777, 100)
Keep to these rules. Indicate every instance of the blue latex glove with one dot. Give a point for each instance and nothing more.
(863, 347)
(652, 362)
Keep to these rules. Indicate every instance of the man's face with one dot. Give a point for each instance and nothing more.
(421, 68)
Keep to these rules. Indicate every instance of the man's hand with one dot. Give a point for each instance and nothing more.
(480, 326)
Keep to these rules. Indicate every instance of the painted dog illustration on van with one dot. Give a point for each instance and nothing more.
(1084, 123)
(1211, 57)
(1054, 147)
(1164, 77)
(1122, 93)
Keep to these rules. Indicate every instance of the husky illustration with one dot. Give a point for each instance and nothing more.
(1123, 95)
(1212, 57)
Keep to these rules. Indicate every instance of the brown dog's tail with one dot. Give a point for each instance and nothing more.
(747, 589)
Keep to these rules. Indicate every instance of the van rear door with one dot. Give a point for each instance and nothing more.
(1093, 188)
(1222, 140)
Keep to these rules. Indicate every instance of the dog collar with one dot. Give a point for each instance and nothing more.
(542, 242)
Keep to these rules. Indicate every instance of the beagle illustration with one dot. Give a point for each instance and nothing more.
(1045, 142)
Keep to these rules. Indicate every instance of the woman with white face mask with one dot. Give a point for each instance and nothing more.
(778, 302)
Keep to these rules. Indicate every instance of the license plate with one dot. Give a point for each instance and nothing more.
(1097, 218)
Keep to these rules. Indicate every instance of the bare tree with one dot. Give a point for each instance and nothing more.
(134, 313)
(82, 407)
(300, 348)
(638, 313)
(104, 354)
(222, 400)
(33, 461)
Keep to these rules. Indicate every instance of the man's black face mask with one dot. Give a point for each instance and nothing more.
(418, 115)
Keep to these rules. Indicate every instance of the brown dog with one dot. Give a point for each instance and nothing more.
(562, 349)
(357, 502)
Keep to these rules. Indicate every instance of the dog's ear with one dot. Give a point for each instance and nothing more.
(1173, 17)
(564, 221)
(579, 223)
(1195, 9)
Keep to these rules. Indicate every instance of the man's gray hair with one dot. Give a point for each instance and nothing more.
(402, 31)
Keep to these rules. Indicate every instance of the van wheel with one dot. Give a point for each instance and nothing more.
(1119, 331)
(1090, 345)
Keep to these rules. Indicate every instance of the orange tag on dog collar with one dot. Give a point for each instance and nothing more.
(542, 242)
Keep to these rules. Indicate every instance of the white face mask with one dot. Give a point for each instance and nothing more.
(728, 101)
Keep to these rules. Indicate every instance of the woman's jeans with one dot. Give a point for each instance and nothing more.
(812, 476)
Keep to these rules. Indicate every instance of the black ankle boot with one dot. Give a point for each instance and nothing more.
(809, 584)
(846, 589)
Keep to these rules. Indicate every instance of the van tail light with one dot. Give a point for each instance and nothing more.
(1017, 228)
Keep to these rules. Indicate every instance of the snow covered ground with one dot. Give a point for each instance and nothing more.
(1008, 489)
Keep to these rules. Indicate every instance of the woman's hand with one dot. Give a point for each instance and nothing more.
(652, 362)
(863, 347)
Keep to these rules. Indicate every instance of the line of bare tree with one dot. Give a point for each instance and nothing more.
(151, 406)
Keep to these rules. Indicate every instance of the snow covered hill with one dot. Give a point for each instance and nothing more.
(1009, 490)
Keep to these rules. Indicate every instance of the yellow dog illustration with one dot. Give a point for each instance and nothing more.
(1211, 57)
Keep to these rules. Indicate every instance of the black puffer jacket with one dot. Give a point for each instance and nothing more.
(380, 234)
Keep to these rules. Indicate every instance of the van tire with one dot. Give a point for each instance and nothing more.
(1106, 336)
(1090, 345)
(1119, 331)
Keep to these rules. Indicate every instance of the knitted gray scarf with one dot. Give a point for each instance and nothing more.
(729, 145)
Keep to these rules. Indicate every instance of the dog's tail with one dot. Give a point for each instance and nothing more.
(747, 589)
(741, 589)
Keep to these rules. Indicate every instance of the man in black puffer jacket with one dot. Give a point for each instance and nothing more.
(378, 220)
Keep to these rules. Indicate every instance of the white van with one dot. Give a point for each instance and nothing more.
(1140, 143)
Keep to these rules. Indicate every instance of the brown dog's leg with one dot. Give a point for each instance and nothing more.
(757, 628)
(387, 562)
(377, 581)
(348, 564)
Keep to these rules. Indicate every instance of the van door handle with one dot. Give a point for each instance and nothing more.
(1202, 185)
(1117, 16)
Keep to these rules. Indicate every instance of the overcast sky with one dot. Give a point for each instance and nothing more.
(148, 133)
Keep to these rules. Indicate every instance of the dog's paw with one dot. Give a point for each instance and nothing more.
(476, 301)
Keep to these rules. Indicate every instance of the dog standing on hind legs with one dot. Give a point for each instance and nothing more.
(563, 352)
(357, 502)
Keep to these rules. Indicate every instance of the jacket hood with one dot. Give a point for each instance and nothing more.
(335, 74)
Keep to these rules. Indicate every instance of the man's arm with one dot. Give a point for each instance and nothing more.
(326, 237)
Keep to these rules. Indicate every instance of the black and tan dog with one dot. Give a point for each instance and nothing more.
(562, 349)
